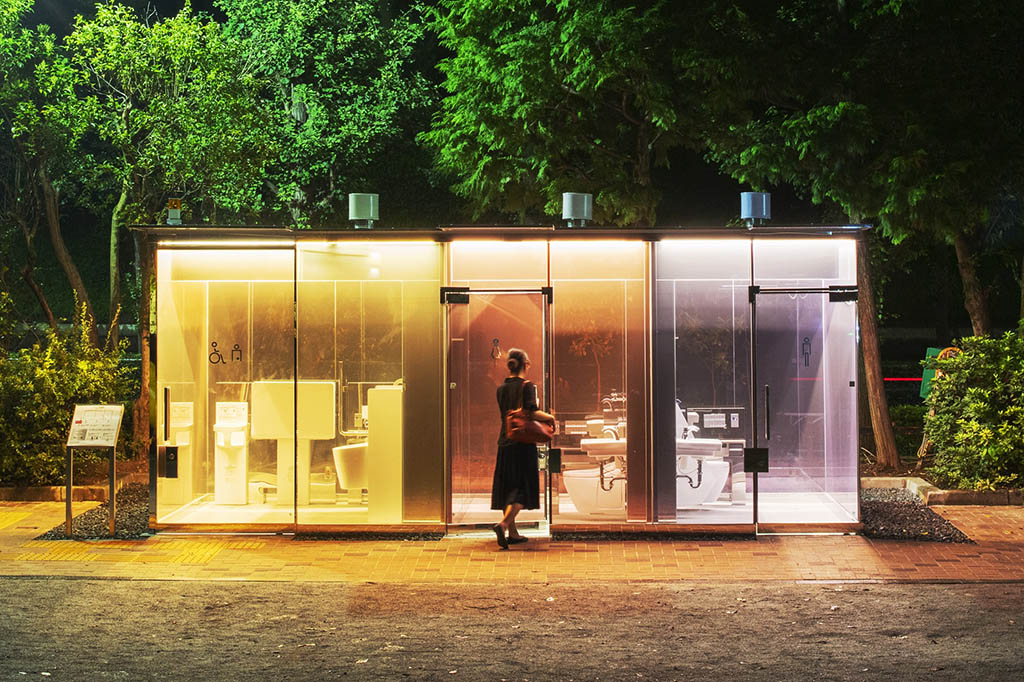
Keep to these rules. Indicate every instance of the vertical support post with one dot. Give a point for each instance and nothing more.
(755, 502)
(68, 469)
(113, 510)
(752, 298)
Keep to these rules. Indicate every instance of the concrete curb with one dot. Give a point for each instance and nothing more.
(932, 495)
(54, 493)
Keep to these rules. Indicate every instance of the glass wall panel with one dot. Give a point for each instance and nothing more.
(808, 260)
(842, 477)
(806, 390)
(225, 335)
(598, 380)
(701, 375)
(368, 326)
(498, 264)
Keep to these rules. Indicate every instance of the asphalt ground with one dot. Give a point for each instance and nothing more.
(79, 629)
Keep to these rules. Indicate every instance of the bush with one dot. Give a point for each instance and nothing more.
(39, 387)
(978, 424)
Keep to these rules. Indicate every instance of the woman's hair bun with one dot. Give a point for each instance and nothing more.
(517, 360)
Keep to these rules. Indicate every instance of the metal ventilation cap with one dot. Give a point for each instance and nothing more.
(577, 208)
(363, 209)
(755, 206)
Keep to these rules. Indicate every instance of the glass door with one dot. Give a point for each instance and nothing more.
(482, 326)
(804, 391)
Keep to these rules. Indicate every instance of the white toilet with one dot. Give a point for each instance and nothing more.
(584, 488)
(708, 455)
(350, 465)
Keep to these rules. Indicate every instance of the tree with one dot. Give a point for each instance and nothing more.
(892, 110)
(345, 97)
(42, 144)
(545, 97)
(175, 103)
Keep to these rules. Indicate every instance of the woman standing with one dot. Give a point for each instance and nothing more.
(515, 484)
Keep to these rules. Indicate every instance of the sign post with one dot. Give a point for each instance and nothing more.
(93, 427)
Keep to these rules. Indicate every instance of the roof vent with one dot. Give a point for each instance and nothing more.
(755, 207)
(577, 208)
(363, 209)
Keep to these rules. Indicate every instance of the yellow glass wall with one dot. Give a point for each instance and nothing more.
(368, 332)
(224, 330)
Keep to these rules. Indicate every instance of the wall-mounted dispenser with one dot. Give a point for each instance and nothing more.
(363, 209)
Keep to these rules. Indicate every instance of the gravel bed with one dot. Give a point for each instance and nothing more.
(897, 513)
(130, 523)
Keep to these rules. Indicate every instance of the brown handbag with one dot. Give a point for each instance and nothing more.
(525, 426)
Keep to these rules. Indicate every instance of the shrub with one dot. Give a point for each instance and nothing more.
(39, 387)
(978, 424)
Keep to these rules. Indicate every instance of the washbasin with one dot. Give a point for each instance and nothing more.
(603, 447)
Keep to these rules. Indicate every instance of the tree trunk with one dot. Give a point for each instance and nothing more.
(26, 274)
(29, 228)
(52, 211)
(116, 222)
(878, 404)
(141, 435)
(974, 293)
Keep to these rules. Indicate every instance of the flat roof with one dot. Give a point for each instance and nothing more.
(501, 232)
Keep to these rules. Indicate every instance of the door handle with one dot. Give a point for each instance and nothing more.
(167, 413)
(767, 413)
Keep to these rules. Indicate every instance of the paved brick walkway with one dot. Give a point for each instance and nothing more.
(473, 558)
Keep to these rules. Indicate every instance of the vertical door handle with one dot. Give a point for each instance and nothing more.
(167, 413)
(767, 413)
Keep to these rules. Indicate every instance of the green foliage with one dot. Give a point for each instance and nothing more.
(39, 387)
(978, 425)
(546, 97)
(175, 103)
(855, 104)
(345, 99)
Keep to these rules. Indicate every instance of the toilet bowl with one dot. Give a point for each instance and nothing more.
(584, 488)
(350, 465)
(714, 470)
(712, 476)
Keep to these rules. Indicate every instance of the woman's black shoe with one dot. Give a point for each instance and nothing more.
(500, 532)
(517, 540)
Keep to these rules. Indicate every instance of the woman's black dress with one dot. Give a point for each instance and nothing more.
(515, 471)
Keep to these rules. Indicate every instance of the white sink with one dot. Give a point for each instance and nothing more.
(603, 447)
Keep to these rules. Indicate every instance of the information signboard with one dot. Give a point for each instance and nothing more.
(95, 426)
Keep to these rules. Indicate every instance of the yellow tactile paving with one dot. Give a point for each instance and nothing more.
(8, 518)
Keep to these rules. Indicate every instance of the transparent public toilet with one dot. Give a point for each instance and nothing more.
(346, 380)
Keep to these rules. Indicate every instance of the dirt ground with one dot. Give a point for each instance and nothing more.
(106, 629)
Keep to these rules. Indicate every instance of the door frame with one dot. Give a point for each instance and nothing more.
(756, 459)
(461, 296)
